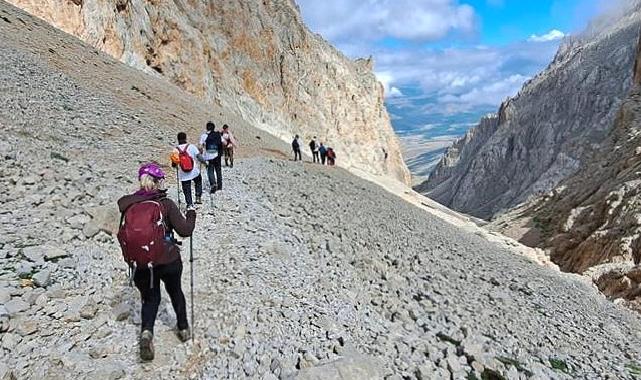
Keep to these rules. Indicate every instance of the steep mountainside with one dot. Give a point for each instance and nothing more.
(255, 57)
(543, 134)
(592, 222)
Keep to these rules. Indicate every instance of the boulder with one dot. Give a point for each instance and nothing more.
(352, 367)
(16, 306)
(103, 218)
(33, 254)
(42, 279)
(53, 253)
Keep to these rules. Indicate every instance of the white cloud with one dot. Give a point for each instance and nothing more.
(343, 21)
(460, 80)
(394, 92)
(552, 35)
(429, 80)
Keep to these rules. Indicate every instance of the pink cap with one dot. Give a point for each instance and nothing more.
(151, 169)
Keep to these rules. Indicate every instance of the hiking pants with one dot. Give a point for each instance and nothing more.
(198, 184)
(215, 174)
(315, 157)
(297, 155)
(150, 295)
(323, 158)
(229, 157)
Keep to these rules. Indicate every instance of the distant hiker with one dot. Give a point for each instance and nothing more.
(313, 146)
(323, 153)
(331, 157)
(385, 154)
(296, 149)
(184, 159)
(229, 142)
(146, 236)
(211, 148)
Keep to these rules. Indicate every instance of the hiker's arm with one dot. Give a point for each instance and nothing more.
(183, 225)
(201, 145)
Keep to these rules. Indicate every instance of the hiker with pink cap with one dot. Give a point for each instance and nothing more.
(149, 220)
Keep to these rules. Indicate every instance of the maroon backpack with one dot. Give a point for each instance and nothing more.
(142, 233)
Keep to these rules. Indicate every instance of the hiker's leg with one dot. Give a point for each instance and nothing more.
(231, 157)
(187, 192)
(198, 184)
(150, 297)
(171, 277)
(210, 174)
(219, 173)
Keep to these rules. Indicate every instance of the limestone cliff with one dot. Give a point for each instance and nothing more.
(591, 224)
(255, 57)
(545, 133)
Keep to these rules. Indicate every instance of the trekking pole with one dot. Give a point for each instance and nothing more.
(191, 268)
(177, 188)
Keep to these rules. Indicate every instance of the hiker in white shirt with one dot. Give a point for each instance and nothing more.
(184, 158)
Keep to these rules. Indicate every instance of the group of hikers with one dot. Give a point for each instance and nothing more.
(212, 146)
(150, 220)
(320, 153)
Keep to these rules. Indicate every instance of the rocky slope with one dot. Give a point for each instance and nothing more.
(546, 132)
(338, 280)
(256, 58)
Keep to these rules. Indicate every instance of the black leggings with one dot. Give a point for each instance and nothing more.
(150, 293)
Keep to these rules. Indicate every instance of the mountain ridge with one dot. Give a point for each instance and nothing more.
(537, 138)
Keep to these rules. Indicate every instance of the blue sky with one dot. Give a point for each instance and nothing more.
(445, 63)
(456, 54)
(505, 21)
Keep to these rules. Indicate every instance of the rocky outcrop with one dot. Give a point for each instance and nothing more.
(546, 132)
(256, 58)
(594, 217)
(591, 223)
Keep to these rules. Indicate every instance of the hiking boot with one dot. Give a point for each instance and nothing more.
(184, 335)
(146, 345)
(199, 201)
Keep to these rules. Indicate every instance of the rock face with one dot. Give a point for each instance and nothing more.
(545, 133)
(256, 58)
(592, 222)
